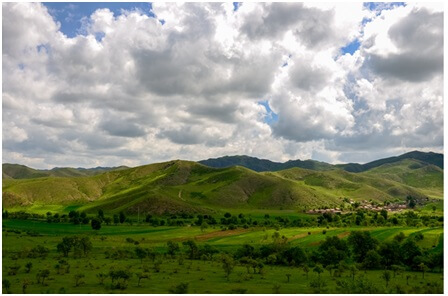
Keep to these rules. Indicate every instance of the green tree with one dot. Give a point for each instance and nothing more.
(140, 276)
(141, 253)
(423, 268)
(78, 279)
(96, 223)
(101, 277)
(116, 219)
(181, 288)
(227, 264)
(360, 243)
(353, 271)
(306, 269)
(192, 249)
(173, 248)
(25, 283)
(318, 269)
(28, 267)
(386, 276)
(204, 226)
(122, 217)
(372, 260)
(6, 285)
(42, 275)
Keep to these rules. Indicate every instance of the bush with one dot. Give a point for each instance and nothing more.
(182, 288)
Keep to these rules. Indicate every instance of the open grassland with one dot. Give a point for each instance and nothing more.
(158, 236)
(201, 276)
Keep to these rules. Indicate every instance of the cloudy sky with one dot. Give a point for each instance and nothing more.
(106, 84)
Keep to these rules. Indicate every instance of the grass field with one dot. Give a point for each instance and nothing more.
(202, 276)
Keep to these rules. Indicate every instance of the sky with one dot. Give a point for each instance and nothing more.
(108, 84)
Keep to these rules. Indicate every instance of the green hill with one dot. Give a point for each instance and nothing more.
(185, 186)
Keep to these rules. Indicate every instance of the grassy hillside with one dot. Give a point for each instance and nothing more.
(184, 186)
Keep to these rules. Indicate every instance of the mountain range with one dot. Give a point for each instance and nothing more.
(185, 186)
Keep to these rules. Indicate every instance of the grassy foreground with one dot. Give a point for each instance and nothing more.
(203, 276)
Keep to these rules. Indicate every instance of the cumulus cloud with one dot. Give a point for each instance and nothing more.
(187, 83)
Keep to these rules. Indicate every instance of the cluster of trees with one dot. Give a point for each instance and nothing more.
(78, 245)
(360, 250)
(372, 218)
(361, 217)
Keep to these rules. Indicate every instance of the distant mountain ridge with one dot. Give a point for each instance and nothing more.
(264, 165)
(17, 171)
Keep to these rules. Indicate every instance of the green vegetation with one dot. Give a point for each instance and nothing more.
(182, 227)
(187, 187)
(147, 259)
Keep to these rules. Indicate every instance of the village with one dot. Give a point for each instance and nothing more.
(350, 205)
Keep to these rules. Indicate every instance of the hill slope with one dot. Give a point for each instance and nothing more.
(184, 186)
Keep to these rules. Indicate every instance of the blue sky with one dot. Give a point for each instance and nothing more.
(69, 15)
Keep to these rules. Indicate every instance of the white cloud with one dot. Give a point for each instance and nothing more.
(189, 88)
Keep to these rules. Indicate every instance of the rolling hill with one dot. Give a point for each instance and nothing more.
(263, 165)
(17, 171)
(185, 186)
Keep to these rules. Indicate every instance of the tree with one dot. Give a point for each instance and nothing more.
(227, 215)
(25, 283)
(400, 237)
(65, 246)
(384, 214)
(372, 260)
(333, 250)
(140, 276)
(141, 253)
(122, 217)
(173, 248)
(96, 223)
(42, 275)
(193, 249)
(386, 277)
(181, 288)
(84, 244)
(227, 264)
(204, 226)
(116, 219)
(409, 250)
(28, 267)
(396, 268)
(78, 279)
(318, 269)
(6, 285)
(423, 268)
(306, 269)
(353, 271)
(101, 214)
(361, 242)
(101, 277)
